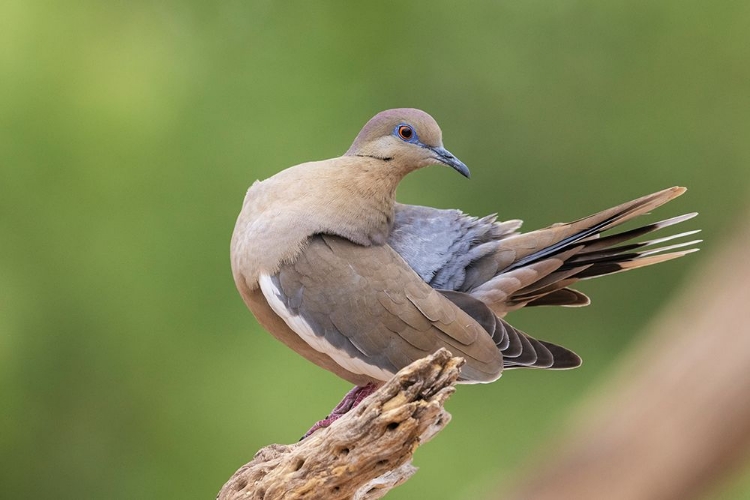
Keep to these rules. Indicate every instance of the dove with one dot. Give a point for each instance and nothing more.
(334, 267)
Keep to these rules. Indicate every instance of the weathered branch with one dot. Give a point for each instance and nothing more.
(365, 453)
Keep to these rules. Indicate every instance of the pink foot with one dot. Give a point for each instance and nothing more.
(350, 401)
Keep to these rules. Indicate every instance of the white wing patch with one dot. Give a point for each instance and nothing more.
(320, 344)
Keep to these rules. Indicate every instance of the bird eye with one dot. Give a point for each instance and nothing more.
(405, 132)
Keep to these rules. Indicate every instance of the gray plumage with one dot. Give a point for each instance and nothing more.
(441, 244)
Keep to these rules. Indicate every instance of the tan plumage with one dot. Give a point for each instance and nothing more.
(333, 267)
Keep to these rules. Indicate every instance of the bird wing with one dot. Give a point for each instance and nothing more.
(508, 270)
(441, 245)
(367, 309)
(519, 349)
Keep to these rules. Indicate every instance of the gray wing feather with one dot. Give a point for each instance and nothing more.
(440, 245)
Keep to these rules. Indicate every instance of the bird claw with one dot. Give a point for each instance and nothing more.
(353, 398)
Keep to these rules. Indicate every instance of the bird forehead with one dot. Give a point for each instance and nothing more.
(425, 125)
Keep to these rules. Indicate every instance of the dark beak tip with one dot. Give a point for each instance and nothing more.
(460, 167)
(446, 158)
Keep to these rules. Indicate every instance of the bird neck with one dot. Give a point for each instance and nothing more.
(351, 197)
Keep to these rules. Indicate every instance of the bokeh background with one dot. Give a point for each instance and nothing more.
(129, 132)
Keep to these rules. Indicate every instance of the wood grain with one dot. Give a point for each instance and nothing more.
(364, 454)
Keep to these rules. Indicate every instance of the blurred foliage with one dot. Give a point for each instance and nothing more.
(129, 132)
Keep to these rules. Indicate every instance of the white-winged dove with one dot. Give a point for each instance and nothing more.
(330, 264)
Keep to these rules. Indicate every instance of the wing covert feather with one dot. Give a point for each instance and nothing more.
(368, 303)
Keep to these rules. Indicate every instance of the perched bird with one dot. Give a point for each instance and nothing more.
(331, 265)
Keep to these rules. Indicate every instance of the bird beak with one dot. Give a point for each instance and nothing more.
(446, 158)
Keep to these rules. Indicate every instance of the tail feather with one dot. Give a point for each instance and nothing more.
(605, 268)
(565, 359)
(519, 349)
(616, 256)
(536, 245)
(566, 297)
(600, 242)
(563, 254)
(538, 268)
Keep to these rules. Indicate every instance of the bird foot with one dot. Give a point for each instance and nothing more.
(350, 401)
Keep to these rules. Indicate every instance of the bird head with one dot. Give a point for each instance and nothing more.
(409, 137)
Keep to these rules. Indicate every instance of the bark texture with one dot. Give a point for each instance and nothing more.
(365, 453)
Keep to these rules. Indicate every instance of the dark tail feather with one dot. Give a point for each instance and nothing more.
(579, 251)
(519, 349)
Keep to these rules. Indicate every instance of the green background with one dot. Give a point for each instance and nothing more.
(129, 132)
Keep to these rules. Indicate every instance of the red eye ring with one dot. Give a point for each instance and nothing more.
(405, 132)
